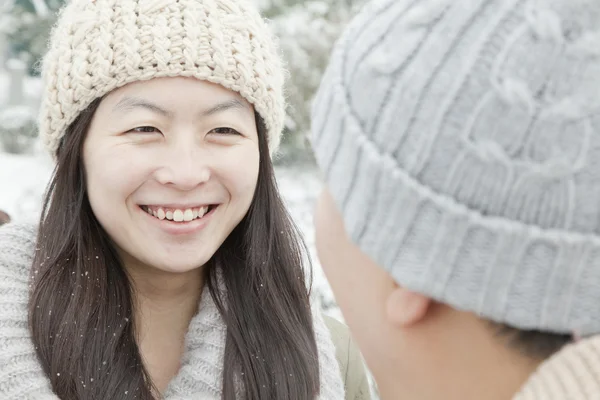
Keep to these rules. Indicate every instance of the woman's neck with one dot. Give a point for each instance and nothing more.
(168, 304)
(165, 303)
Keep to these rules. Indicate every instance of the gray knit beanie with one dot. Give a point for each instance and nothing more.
(461, 142)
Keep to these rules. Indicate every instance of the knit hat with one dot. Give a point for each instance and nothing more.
(461, 142)
(100, 45)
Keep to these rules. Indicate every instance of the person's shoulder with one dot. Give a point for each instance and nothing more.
(571, 373)
(350, 360)
(17, 248)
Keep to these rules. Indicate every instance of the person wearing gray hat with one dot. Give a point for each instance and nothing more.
(460, 225)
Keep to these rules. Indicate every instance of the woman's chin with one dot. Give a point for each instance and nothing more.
(174, 264)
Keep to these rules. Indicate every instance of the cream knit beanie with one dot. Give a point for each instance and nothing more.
(100, 45)
(461, 141)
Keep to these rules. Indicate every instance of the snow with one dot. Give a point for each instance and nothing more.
(16, 117)
(23, 179)
(31, 89)
(4, 83)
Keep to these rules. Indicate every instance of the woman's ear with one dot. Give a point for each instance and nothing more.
(405, 308)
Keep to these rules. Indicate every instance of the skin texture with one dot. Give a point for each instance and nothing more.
(169, 141)
(416, 348)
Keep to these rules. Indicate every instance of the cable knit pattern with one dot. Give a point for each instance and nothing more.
(200, 375)
(571, 374)
(98, 46)
(470, 130)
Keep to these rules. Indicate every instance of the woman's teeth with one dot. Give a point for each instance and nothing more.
(176, 215)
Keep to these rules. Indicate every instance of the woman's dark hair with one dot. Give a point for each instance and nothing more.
(81, 308)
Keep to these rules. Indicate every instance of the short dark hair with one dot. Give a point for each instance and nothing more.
(537, 345)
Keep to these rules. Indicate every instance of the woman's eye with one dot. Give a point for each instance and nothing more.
(225, 131)
(145, 129)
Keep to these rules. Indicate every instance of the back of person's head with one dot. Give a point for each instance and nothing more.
(460, 143)
(4, 218)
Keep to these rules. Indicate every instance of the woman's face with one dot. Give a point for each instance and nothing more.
(171, 167)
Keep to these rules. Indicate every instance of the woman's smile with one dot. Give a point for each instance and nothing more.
(180, 221)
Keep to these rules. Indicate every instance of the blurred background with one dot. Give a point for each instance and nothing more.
(307, 30)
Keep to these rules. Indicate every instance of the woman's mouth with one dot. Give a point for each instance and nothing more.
(178, 214)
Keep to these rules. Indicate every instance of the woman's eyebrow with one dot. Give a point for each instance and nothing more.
(130, 103)
(224, 106)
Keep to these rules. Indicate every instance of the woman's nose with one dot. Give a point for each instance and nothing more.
(185, 167)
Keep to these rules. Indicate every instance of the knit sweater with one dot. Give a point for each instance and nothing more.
(200, 375)
(571, 374)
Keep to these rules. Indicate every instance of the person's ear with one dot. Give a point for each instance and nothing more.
(405, 308)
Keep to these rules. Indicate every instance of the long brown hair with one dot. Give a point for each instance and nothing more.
(81, 306)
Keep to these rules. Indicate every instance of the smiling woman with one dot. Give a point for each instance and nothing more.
(165, 264)
(181, 148)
